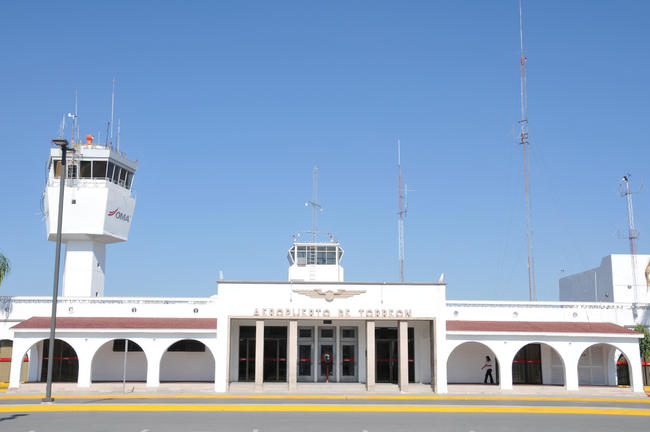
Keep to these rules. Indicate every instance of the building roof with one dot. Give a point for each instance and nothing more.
(537, 327)
(119, 323)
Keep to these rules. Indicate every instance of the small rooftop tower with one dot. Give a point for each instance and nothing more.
(98, 209)
(318, 260)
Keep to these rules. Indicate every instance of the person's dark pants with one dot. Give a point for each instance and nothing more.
(488, 373)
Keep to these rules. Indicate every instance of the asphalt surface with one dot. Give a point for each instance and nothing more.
(198, 413)
(314, 422)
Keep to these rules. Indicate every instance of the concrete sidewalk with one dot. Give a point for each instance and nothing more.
(349, 389)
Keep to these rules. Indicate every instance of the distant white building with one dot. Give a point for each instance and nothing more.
(315, 329)
(620, 278)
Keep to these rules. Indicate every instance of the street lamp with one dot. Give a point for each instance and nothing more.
(63, 143)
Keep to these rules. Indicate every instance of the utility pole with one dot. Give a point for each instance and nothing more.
(525, 144)
(63, 143)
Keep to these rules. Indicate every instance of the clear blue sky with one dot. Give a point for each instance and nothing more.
(228, 105)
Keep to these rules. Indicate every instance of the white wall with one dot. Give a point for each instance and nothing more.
(465, 363)
(109, 365)
(187, 366)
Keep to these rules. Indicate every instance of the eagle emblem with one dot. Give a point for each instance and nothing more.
(329, 295)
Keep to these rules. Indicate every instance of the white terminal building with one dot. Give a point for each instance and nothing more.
(313, 330)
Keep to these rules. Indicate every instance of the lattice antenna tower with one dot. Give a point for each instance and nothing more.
(401, 211)
(633, 233)
(525, 145)
(315, 206)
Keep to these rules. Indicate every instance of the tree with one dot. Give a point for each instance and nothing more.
(644, 344)
(5, 267)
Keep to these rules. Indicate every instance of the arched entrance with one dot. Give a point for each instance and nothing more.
(603, 365)
(538, 363)
(466, 363)
(187, 360)
(65, 365)
(6, 350)
(119, 359)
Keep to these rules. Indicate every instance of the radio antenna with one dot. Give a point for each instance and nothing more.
(112, 111)
(315, 206)
(633, 233)
(525, 144)
(401, 212)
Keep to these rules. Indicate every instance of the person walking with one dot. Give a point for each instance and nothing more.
(488, 372)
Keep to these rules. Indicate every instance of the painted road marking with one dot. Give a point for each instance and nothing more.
(330, 397)
(330, 408)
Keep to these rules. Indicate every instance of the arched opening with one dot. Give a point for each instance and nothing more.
(65, 364)
(187, 360)
(117, 360)
(603, 365)
(538, 363)
(468, 364)
(6, 351)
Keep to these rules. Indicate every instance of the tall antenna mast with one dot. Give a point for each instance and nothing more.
(525, 146)
(633, 234)
(315, 206)
(112, 111)
(401, 211)
(118, 134)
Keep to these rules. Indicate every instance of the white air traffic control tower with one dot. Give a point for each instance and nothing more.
(315, 261)
(97, 210)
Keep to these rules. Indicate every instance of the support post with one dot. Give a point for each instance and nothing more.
(370, 356)
(433, 340)
(293, 354)
(259, 356)
(403, 363)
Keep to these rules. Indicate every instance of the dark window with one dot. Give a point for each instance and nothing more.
(85, 168)
(57, 168)
(118, 346)
(111, 168)
(187, 345)
(73, 169)
(304, 333)
(116, 174)
(129, 179)
(275, 332)
(99, 169)
(327, 333)
(122, 181)
(348, 333)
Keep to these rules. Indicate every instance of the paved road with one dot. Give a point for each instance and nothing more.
(314, 414)
(314, 422)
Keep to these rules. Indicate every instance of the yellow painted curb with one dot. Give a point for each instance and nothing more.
(329, 397)
(329, 408)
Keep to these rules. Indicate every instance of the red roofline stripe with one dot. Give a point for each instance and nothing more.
(120, 323)
(537, 327)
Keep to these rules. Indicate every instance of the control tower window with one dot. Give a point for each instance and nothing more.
(72, 171)
(99, 169)
(321, 254)
(331, 255)
(301, 255)
(85, 169)
(129, 179)
(57, 168)
(109, 173)
(122, 181)
(116, 174)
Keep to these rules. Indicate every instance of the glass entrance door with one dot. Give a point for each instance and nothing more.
(348, 361)
(275, 354)
(527, 365)
(246, 353)
(305, 354)
(387, 358)
(326, 354)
